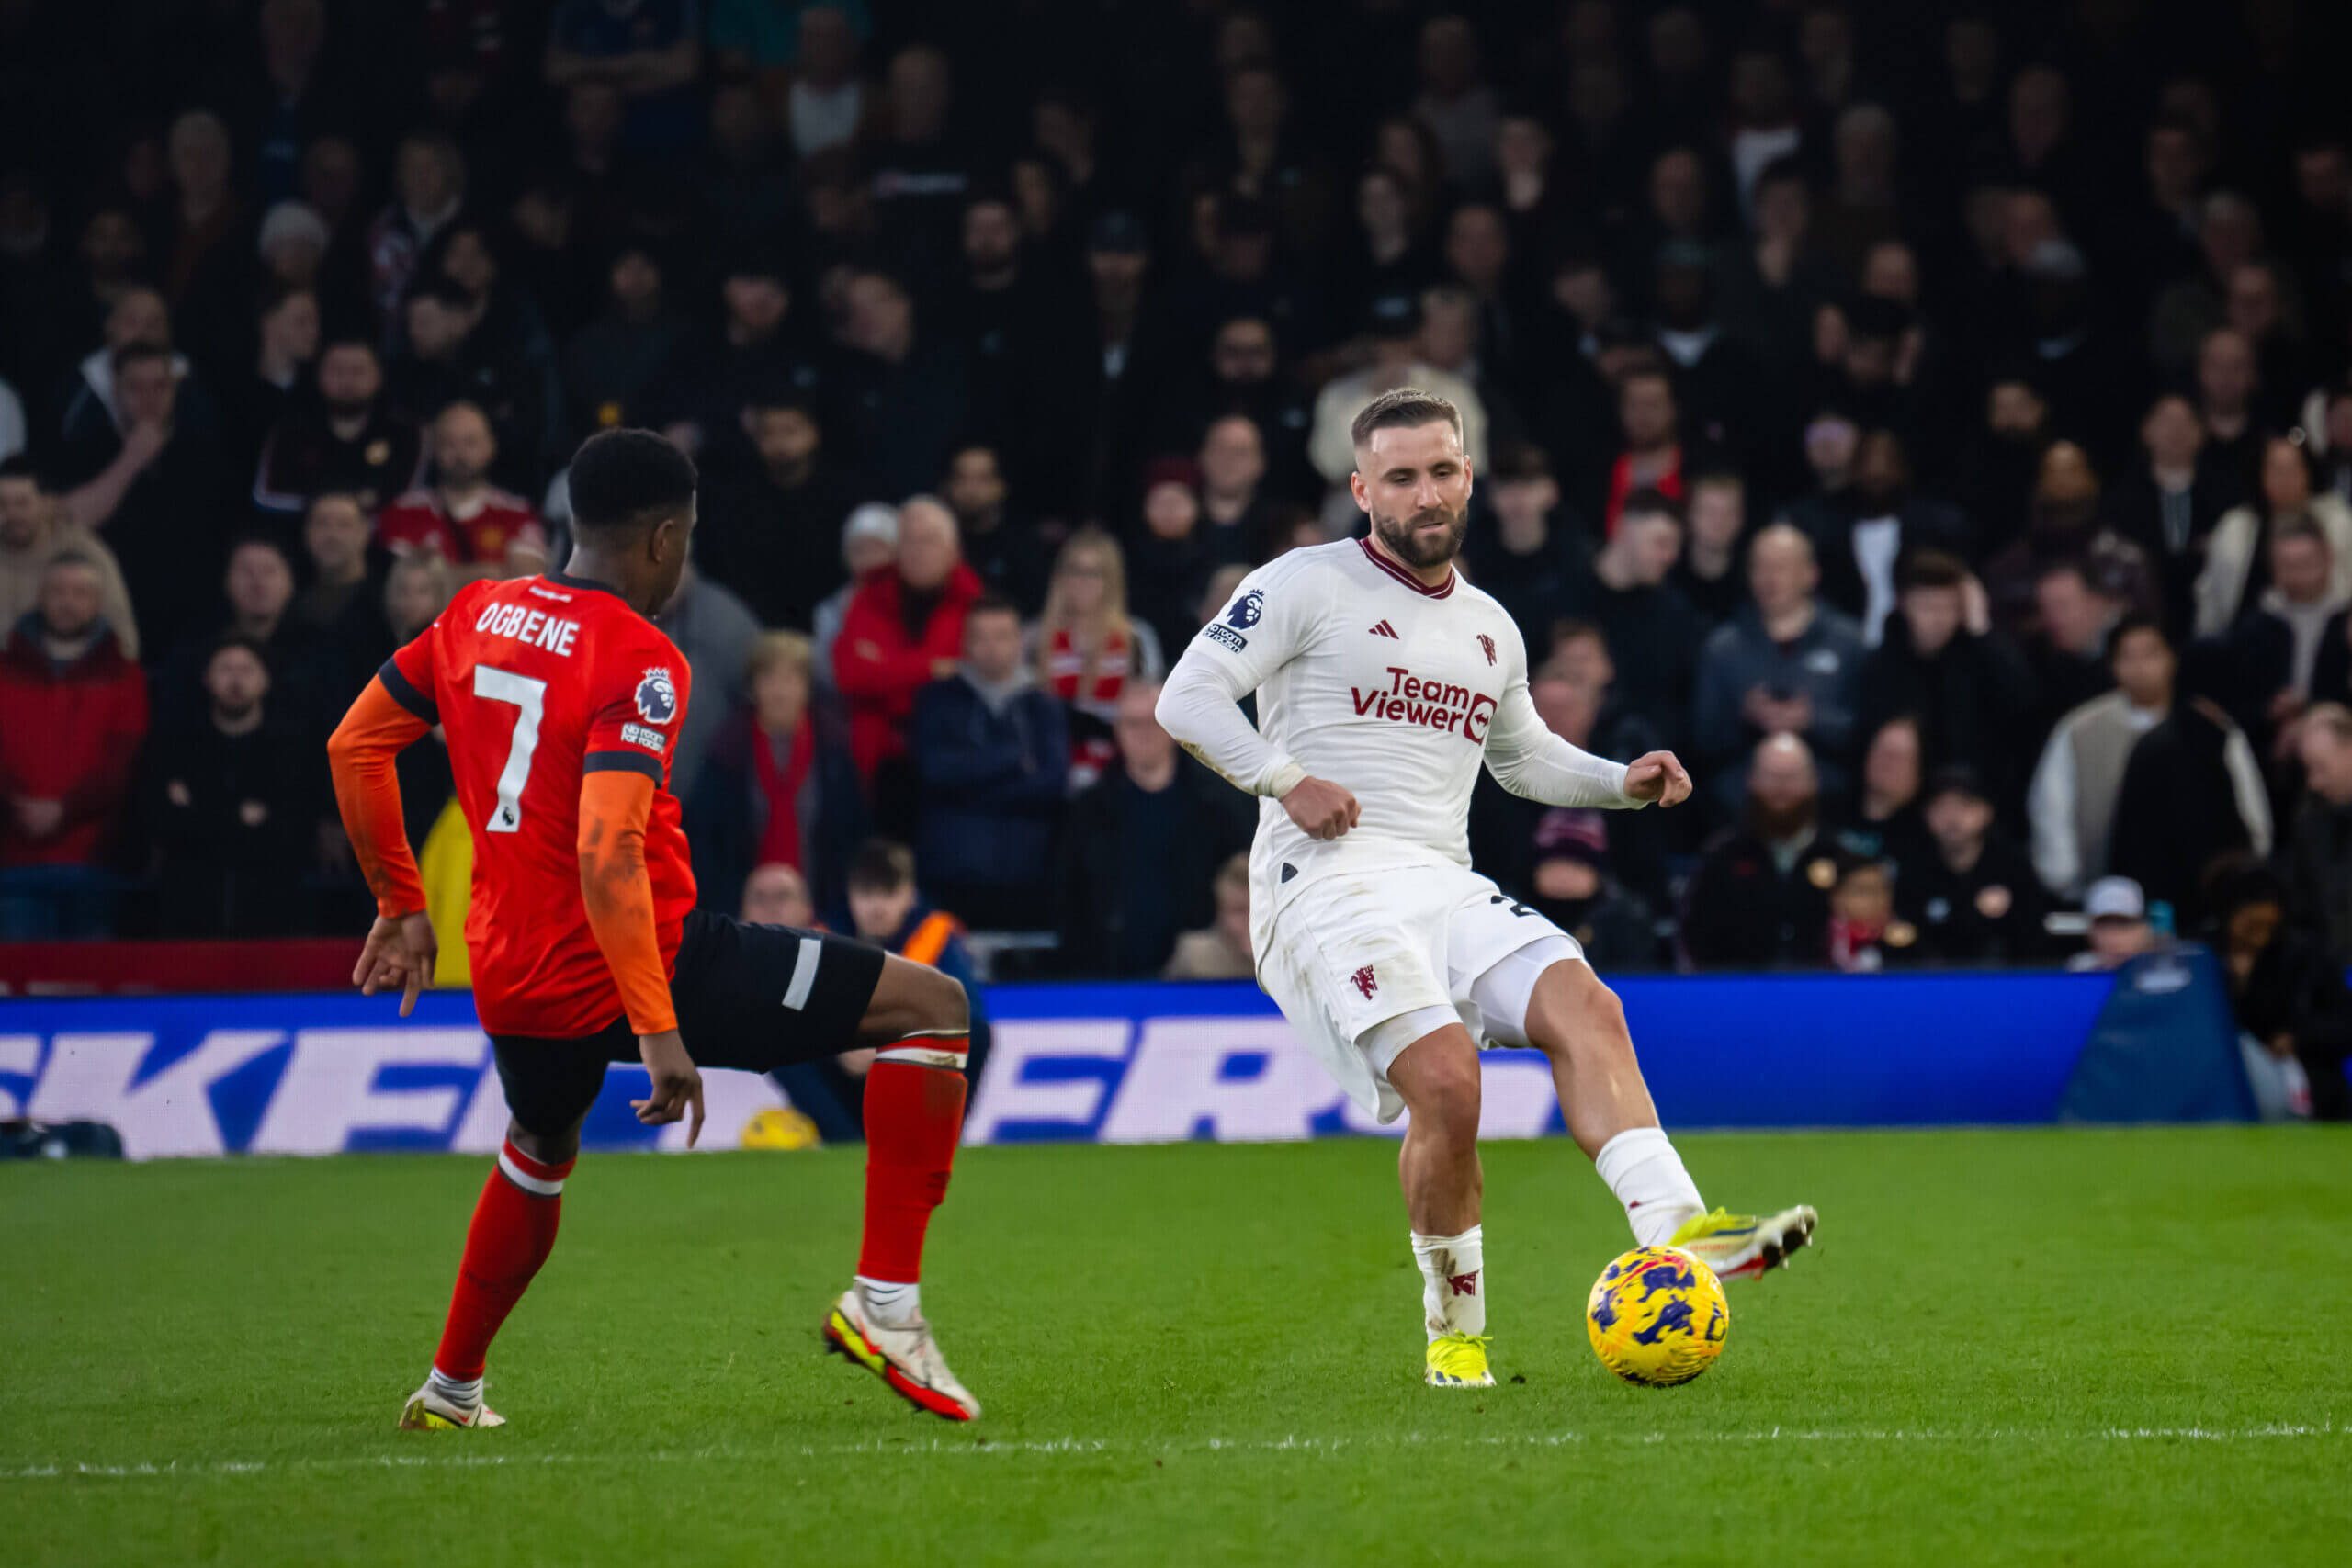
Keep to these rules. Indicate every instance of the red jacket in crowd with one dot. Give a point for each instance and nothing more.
(70, 735)
(879, 663)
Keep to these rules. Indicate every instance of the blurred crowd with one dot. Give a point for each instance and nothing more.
(1932, 420)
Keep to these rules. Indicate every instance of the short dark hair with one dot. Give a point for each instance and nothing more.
(881, 865)
(2298, 526)
(1933, 569)
(2137, 621)
(991, 604)
(625, 481)
(228, 640)
(1403, 408)
(21, 466)
(1649, 502)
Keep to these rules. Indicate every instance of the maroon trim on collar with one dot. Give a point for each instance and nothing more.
(1406, 578)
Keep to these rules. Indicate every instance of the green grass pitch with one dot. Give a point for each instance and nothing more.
(2043, 1347)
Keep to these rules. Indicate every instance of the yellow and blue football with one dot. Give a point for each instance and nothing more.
(1658, 1317)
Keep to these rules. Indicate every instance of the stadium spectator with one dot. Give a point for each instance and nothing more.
(1527, 556)
(2063, 524)
(905, 392)
(1393, 324)
(2286, 994)
(2067, 652)
(1172, 554)
(2119, 928)
(165, 504)
(767, 529)
(2169, 504)
(1570, 878)
(1707, 572)
(346, 439)
(1760, 897)
(1786, 664)
(1219, 951)
(1654, 634)
(1861, 567)
(1650, 454)
(2078, 785)
(428, 191)
(1085, 647)
(284, 357)
(1134, 863)
(869, 543)
(991, 748)
(233, 807)
(756, 357)
(343, 605)
(450, 358)
(902, 630)
(1974, 898)
(2237, 554)
(1943, 662)
(73, 711)
(35, 528)
(1003, 546)
(1886, 822)
(651, 50)
(258, 586)
(611, 365)
(1236, 515)
(1864, 935)
(2317, 850)
(481, 530)
(2278, 644)
(777, 789)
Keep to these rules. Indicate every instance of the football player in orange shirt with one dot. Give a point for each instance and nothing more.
(561, 704)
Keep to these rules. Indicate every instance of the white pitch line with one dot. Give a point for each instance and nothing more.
(1111, 1446)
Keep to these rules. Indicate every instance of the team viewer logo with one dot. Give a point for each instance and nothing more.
(1246, 610)
(1363, 981)
(657, 699)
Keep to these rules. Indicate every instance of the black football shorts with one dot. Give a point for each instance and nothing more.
(758, 997)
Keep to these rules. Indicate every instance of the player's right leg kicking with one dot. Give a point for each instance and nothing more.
(1579, 1023)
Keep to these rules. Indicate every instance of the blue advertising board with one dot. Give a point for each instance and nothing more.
(313, 1073)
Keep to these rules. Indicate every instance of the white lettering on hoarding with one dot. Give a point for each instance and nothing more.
(88, 1077)
(329, 1089)
(1007, 1093)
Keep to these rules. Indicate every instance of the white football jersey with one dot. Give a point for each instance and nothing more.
(1393, 690)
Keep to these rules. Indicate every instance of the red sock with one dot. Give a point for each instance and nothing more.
(512, 1233)
(914, 1113)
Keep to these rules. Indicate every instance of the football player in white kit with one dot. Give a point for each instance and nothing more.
(1384, 680)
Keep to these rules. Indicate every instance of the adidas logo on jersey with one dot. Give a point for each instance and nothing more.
(1384, 629)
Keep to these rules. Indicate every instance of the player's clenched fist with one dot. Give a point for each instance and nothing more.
(1321, 809)
(1656, 775)
(677, 1083)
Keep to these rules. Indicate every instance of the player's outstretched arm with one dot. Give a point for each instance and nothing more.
(615, 806)
(1528, 760)
(400, 949)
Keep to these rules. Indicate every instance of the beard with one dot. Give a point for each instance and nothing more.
(1398, 534)
(1777, 825)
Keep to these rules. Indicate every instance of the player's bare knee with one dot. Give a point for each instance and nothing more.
(1578, 1016)
(1442, 1087)
(913, 999)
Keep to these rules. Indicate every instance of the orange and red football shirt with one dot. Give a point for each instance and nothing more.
(537, 681)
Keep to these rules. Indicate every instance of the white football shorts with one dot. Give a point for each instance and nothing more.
(1363, 966)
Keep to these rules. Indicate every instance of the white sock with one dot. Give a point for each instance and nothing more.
(1645, 1173)
(1453, 1298)
(893, 1306)
(465, 1394)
